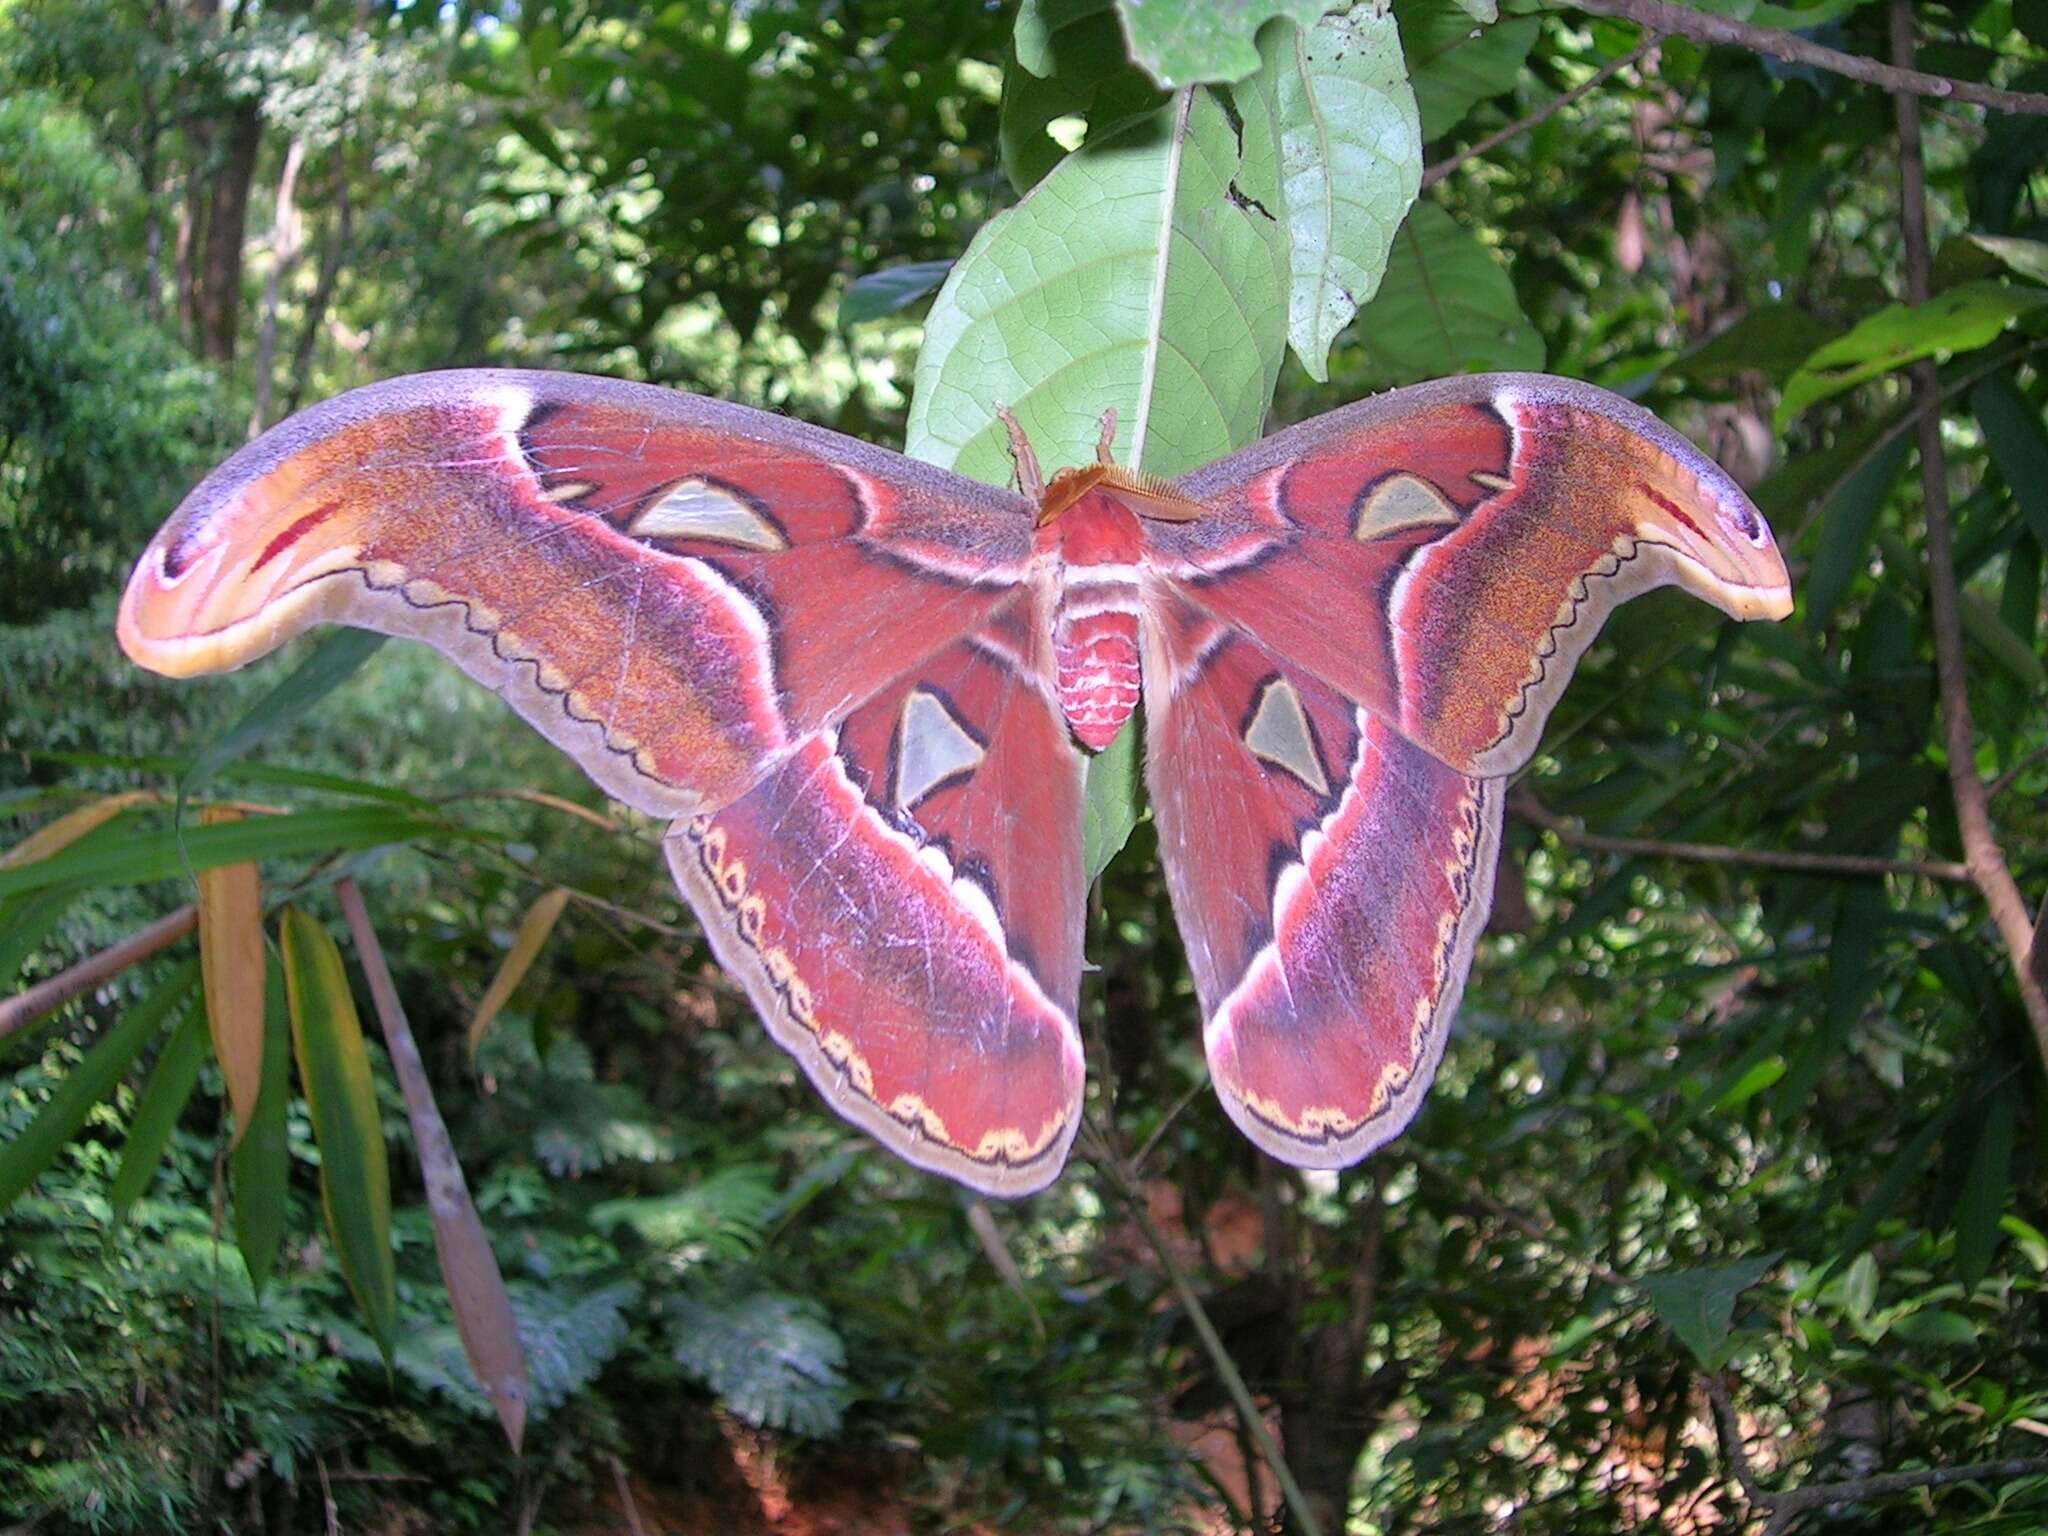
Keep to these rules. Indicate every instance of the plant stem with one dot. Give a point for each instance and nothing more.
(1986, 860)
(94, 969)
(1853, 865)
(1493, 141)
(1794, 49)
(1109, 1157)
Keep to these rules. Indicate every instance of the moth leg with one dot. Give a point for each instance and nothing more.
(1106, 440)
(1029, 481)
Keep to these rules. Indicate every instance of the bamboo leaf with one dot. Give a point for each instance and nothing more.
(25, 921)
(231, 962)
(157, 856)
(163, 1101)
(1890, 1189)
(335, 659)
(534, 929)
(260, 1168)
(1846, 528)
(1985, 1187)
(476, 1290)
(2019, 446)
(1981, 622)
(334, 1067)
(69, 828)
(24, 1158)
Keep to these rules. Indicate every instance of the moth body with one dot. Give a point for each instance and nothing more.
(1100, 547)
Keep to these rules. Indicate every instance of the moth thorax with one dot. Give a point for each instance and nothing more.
(1097, 657)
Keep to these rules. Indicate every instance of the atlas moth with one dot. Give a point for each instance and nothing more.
(861, 691)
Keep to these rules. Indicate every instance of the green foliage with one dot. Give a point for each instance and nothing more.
(101, 414)
(1661, 1064)
(772, 1357)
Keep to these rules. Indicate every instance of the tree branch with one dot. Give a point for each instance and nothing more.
(1657, 16)
(1782, 1507)
(1852, 865)
(94, 969)
(1973, 804)
(1493, 141)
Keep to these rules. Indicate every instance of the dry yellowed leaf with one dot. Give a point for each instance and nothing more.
(231, 961)
(534, 929)
(72, 825)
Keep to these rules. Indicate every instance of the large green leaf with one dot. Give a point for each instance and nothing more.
(334, 1067)
(1188, 42)
(1454, 63)
(1445, 307)
(1070, 62)
(25, 1157)
(1127, 278)
(1699, 1304)
(1110, 809)
(1960, 320)
(1330, 112)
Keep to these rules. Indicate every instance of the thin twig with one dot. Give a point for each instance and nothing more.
(1486, 146)
(1981, 852)
(626, 1499)
(1852, 865)
(94, 969)
(327, 1498)
(1782, 1506)
(1109, 1158)
(1657, 16)
(1733, 1447)
(2003, 782)
(1146, 1147)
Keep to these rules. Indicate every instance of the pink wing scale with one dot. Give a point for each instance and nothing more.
(920, 960)
(846, 672)
(746, 622)
(1329, 878)
(1419, 573)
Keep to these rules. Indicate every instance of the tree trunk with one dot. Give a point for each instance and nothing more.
(218, 266)
(1328, 1406)
(287, 239)
(323, 291)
